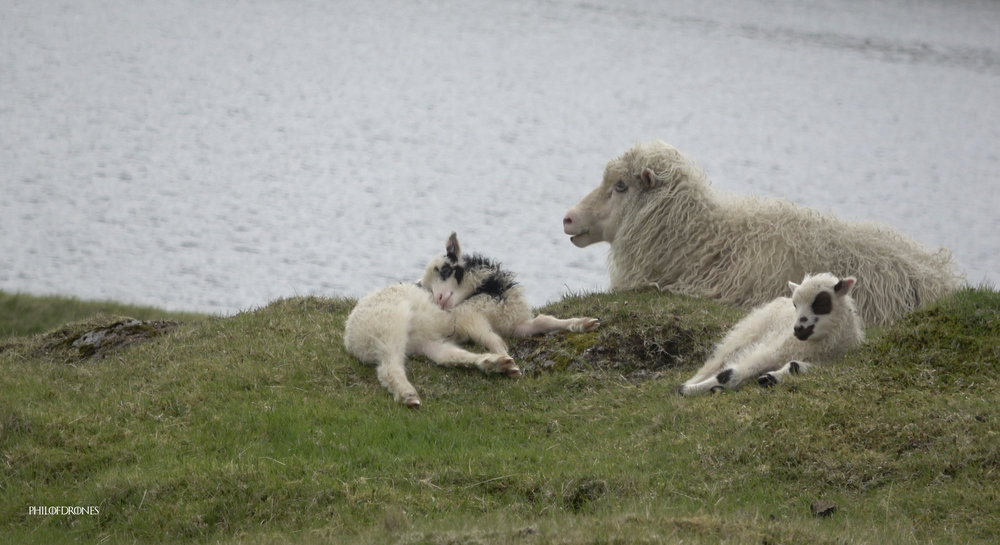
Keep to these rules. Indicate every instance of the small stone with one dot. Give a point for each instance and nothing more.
(528, 531)
(395, 519)
(822, 508)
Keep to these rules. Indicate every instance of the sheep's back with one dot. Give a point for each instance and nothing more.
(744, 250)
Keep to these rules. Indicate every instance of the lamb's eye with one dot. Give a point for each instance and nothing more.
(445, 272)
(823, 304)
(621, 186)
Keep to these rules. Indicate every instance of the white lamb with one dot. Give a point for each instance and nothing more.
(668, 228)
(458, 299)
(818, 324)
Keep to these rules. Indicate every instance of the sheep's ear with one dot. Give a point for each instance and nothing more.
(452, 249)
(845, 285)
(793, 286)
(648, 179)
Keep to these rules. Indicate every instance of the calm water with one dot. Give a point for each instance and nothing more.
(215, 156)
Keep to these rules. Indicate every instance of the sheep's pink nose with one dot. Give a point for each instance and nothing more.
(567, 220)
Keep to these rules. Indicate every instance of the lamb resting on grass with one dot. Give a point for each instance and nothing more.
(459, 299)
(492, 304)
(788, 335)
(668, 228)
(385, 326)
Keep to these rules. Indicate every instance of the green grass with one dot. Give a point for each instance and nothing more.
(22, 314)
(260, 428)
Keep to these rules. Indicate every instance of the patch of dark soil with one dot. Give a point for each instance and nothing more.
(8, 345)
(81, 342)
(631, 347)
(583, 493)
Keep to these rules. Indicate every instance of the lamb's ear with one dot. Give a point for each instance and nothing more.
(452, 249)
(845, 285)
(793, 286)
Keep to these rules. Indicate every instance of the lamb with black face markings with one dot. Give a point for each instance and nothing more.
(817, 324)
(458, 299)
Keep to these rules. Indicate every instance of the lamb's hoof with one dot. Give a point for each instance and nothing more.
(794, 367)
(496, 363)
(767, 380)
(412, 401)
(686, 391)
(509, 368)
(586, 325)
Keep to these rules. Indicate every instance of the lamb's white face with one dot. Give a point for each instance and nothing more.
(815, 300)
(444, 274)
(596, 218)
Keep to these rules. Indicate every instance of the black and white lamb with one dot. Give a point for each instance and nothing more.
(459, 299)
(786, 336)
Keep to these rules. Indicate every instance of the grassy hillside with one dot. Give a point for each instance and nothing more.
(22, 314)
(259, 428)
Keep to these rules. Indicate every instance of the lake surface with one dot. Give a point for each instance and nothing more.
(214, 156)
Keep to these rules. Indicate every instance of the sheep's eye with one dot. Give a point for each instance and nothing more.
(445, 272)
(621, 186)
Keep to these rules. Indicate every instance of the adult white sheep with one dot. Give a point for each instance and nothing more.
(818, 324)
(668, 228)
(458, 299)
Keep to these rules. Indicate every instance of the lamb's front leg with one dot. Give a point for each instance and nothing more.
(543, 323)
(445, 353)
(791, 368)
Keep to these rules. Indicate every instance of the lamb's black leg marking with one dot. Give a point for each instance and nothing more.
(722, 378)
(767, 380)
(793, 367)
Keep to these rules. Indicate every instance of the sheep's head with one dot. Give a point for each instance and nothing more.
(818, 300)
(643, 168)
(445, 274)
